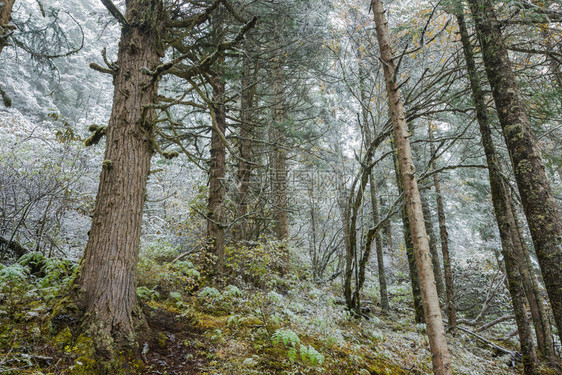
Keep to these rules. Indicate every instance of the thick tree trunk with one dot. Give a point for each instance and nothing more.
(502, 207)
(540, 208)
(444, 235)
(435, 328)
(217, 170)
(5, 16)
(244, 147)
(530, 285)
(433, 248)
(107, 275)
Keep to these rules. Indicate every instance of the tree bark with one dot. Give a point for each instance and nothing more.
(501, 200)
(374, 196)
(409, 246)
(419, 315)
(5, 16)
(444, 235)
(378, 246)
(107, 275)
(433, 248)
(539, 206)
(217, 170)
(530, 285)
(279, 158)
(435, 328)
(244, 147)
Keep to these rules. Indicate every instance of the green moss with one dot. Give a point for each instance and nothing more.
(161, 339)
(63, 339)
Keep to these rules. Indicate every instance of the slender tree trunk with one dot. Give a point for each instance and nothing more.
(5, 16)
(414, 279)
(244, 147)
(378, 246)
(279, 170)
(107, 275)
(540, 208)
(387, 231)
(435, 328)
(409, 246)
(217, 170)
(374, 198)
(502, 206)
(444, 235)
(433, 248)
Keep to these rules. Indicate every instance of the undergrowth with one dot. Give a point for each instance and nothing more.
(262, 317)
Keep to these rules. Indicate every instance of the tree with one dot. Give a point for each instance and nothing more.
(5, 16)
(435, 328)
(107, 276)
(444, 236)
(105, 288)
(538, 201)
(505, 218)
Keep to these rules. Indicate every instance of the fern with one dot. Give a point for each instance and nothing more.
(13, 273)
(310, 354)
(147, 294)
(291, 340)
(176, 296)
(209, 292)
(232, 291)
(286, 336)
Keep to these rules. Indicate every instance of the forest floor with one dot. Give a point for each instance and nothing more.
(257, 322)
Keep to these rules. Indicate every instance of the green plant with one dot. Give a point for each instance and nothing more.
(147, 294)
(232, 291)
(14, 272)
(311, 355)
(209, 293)
(285, 336)
(291, 341)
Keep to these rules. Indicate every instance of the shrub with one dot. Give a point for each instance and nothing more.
(256, 263)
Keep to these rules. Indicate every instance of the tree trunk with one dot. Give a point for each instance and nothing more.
(217, 170)
(435, 328)
(378, 246)
(540, 208)
(530, 285)
(444, 235)
(433, 248)
(387, 231)
(5, 16)
(279, 167)
(107, 275)
(414, 279)
(409, 246)
(244, 147)
(502, 207)
(374, 198)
